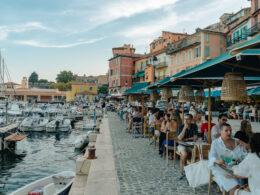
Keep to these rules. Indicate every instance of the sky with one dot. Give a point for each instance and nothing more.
(49, 36)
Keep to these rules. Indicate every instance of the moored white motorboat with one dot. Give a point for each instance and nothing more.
(57, 184)
(34, 124)
(89, 126)
(59, 125)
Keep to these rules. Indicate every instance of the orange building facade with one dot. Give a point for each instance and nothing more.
(166, 38)
(195, 49)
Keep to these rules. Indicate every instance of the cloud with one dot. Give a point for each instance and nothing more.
(34, 43)
(19, 28)
(126, 8)
(201, 16)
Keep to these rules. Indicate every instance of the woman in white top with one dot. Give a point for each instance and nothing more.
(250, 167)
(225, 146)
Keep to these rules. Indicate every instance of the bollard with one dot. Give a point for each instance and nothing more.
(91, 152)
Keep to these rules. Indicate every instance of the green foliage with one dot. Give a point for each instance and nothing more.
(33, 78)
(61, 86)
(43, 81)
(64, 77)
(103, 89)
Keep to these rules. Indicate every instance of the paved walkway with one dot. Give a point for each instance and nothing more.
(141, 170)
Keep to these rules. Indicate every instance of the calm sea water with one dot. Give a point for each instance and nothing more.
(37, 156)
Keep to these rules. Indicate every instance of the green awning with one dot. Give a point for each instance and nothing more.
(155, 85)
(137, 88)
(139, 74)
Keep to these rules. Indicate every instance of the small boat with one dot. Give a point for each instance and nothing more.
(89, 126)
(34, 124)
(82, 141)
(59, 125)
(57, 184)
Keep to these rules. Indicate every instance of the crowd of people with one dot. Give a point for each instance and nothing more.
(244, 145)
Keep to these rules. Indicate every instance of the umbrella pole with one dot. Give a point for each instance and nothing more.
(142, 105)
(209, 117)
(182, 111)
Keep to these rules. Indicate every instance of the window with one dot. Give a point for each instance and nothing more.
(171, 60)
(245, 32)
(178, 58)
(80, 88)
(220, 39)
(256, 5)
(183, 56)
(116, 82)
(90, 88)
(111, 72)
(207, 37)
(189, 54)
(142, 64)
(164, 73)
(207, 51)
(221, 51)
(117, 60)
(113, 62)
(116, 71)
(234, 37)
(196, 52)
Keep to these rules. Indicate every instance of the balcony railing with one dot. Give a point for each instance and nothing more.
(236, 40)
(182, 44)
(161, 64)
(254, 29)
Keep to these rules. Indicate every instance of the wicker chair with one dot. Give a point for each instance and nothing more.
(157, 127)
(211, 179)
(146, 126)
(166, 147)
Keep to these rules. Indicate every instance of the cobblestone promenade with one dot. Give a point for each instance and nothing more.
(141, 170)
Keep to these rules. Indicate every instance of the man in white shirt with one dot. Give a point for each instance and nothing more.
(222, 118)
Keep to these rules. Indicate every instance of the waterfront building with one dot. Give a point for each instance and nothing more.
(255, 19)
(102, 80)
(162, 41)
(12, 85)
(81, 90)
(26, 94)
(195, 49)
(235, 26)
(121, 69)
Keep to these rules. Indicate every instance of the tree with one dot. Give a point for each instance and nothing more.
(33, 78)
(103, 89)
(61, 86)
(43, 81)
(64, 77)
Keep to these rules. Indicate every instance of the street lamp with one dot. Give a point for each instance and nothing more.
(155, 61)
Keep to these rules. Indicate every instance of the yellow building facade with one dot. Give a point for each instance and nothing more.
(82, 90)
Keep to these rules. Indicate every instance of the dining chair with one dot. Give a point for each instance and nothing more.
(170, 136)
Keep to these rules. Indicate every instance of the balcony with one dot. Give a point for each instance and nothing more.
(182, 44)
(236, 40)
(161, 65)
(254, 29)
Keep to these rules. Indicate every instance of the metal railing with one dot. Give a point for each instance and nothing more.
(182, 44)
(236, 40)
(254, 29)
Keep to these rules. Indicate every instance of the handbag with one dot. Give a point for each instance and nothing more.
(198, 173)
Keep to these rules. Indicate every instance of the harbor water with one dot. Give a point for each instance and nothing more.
(39, 155)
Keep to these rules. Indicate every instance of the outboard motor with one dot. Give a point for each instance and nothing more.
(57, 124)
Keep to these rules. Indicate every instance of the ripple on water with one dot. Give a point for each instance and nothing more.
(39, 155)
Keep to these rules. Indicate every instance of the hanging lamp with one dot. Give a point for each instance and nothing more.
(200, 96)
(166, 93)
(233, 87)
(186, 94)
(154, 96)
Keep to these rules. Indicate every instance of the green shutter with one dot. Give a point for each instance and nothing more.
(207, 51)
